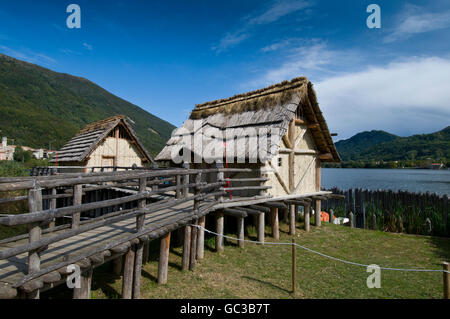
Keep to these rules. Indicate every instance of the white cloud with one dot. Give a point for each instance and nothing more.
(277, 10)
(88, 46)
(28, 55)
(414, 21)
(311, 58)
(406, 97)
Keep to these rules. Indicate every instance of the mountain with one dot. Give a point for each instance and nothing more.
(380, 145)
(39, 107)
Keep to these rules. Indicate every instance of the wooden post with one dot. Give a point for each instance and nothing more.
(84, 292)
(140, 221)
(331, 216)
(219, 177)
(53, 206)
(201, 238)
(186, 247)
(446, 277)
(294, 266)
(77, 199)
(178, 190)
(374, 221)
(318, 213)
(219, 231)
(292, 220)
(261, 228)
(275, 223)
(34, 232)
(193, 254)
(240, 227)
(163, 259)
(117, 265)
(127, 282)
(307, 212)
(352, 221)
(186, 180)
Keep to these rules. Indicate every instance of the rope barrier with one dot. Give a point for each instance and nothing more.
(318, 253)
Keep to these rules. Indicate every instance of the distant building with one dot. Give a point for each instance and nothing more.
(106, 143)
(6, 151)
(436, 166)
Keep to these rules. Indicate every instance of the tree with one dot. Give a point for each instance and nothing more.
(22, 156)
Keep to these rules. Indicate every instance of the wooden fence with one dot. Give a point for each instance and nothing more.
(400, 211)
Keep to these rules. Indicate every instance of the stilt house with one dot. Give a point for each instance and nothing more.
(106, 143)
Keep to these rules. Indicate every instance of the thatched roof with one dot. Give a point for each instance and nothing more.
(272, 108)
(86, 141)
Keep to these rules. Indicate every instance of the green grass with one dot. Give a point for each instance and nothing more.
(265, 271)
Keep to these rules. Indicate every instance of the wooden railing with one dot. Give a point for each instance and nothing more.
(176, 185)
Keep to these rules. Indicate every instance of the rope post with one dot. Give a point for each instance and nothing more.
(446, 276)
(294, 265)
(291, 219)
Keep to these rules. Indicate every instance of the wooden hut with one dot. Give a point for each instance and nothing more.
(279, 129)
(107, 143)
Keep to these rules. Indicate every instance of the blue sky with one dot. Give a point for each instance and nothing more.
(167, 56)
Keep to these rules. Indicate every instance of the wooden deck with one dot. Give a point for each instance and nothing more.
(15, 268)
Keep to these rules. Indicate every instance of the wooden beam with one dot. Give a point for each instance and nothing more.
(280, 180)
(325, 156)
(314, 126)
(299, 121)
(286, 141)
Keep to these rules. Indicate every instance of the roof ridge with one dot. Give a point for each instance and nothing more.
(282, 86)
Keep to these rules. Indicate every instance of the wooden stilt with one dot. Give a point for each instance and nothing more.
(240, 227)
(84, 292)
(291, 219)
(137, 270)
(318, 221)
(201, 238)
(261, 228)
(186, 247)
(193, 254)
(146, 254)
(275, 223)
(219, 231)
(307, 209)
(127, 283)
(117, 265)
(163, 259)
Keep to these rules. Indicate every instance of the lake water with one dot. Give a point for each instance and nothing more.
(413, 180)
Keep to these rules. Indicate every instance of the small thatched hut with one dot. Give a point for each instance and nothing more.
(106, 143)
(279, 129)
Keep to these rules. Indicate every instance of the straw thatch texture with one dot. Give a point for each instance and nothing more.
(266, 110)
(86, 141)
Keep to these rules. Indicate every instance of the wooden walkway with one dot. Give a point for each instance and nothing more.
(38, 261)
